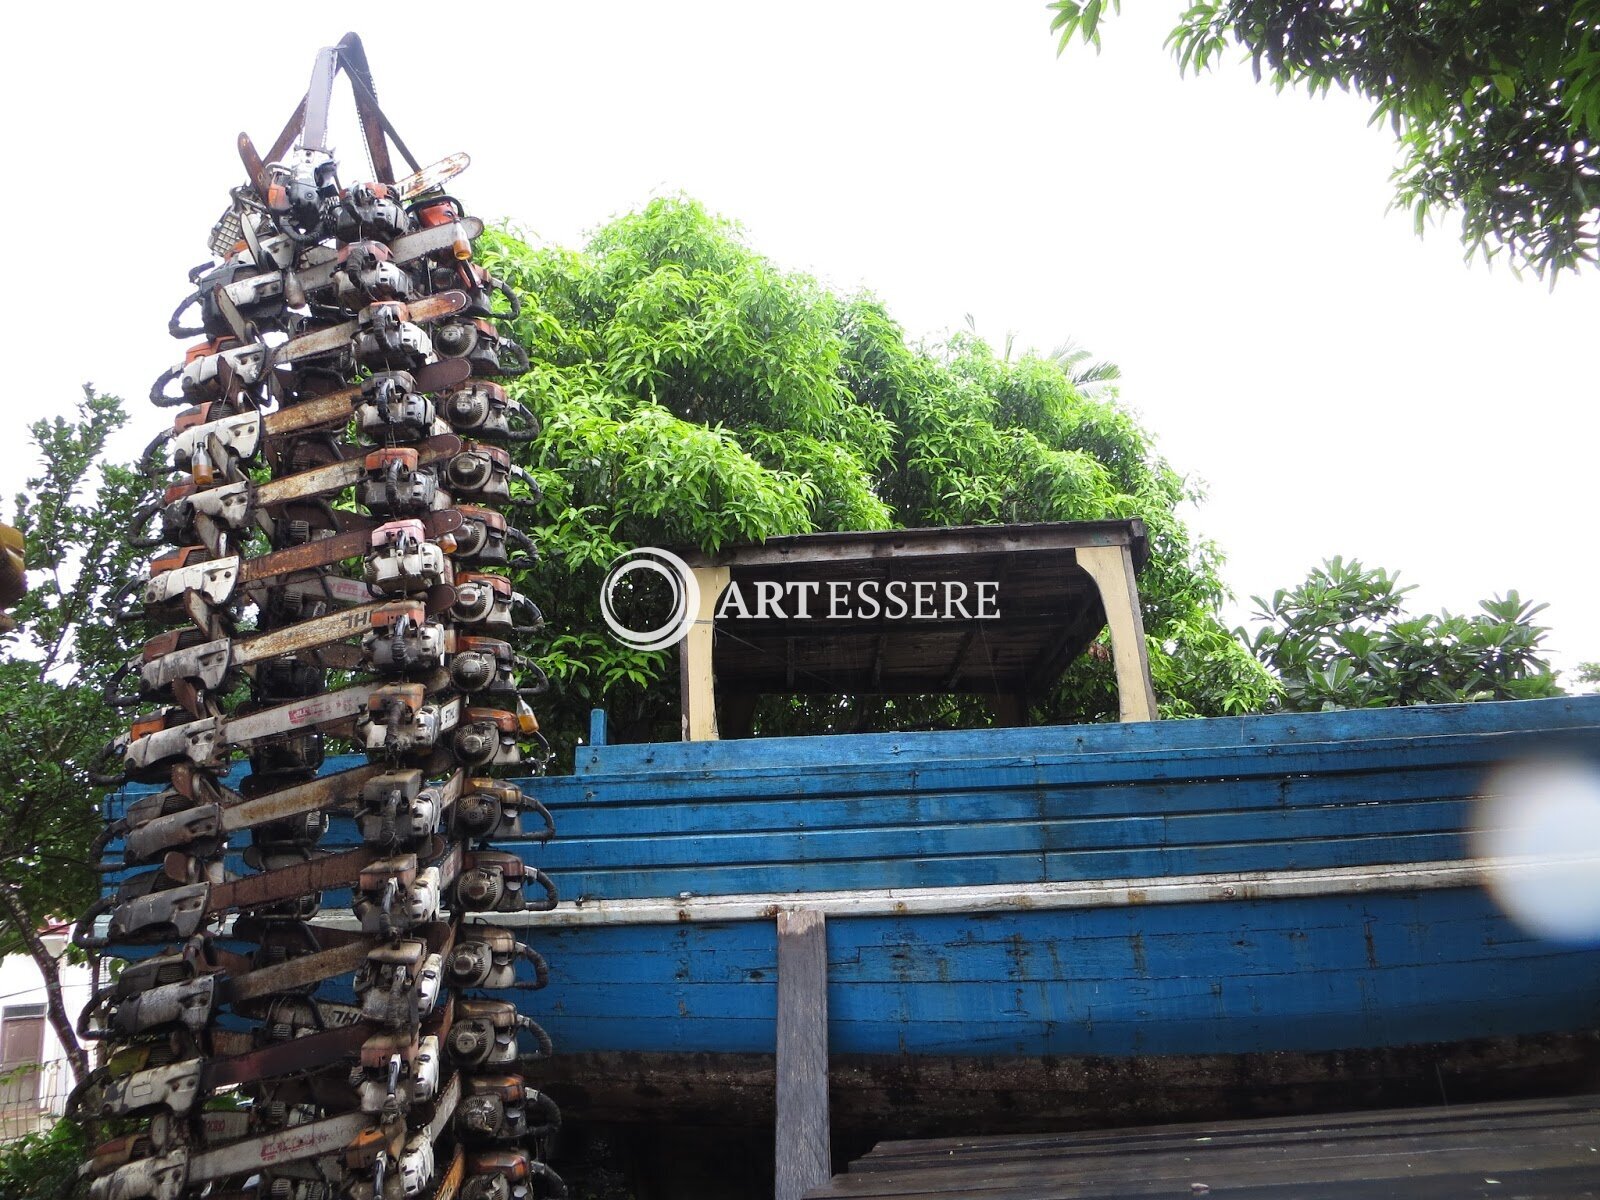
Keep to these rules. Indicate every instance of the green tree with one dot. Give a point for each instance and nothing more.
(1343, 639)
(692, 394)
(1089, 378)
(45, 1164)
(1496, 104)
(54, 667)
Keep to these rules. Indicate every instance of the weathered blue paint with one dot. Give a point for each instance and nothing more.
(1300, 975)
(798, 815)
(1020, 806)
(1267, 734)
(1035, 805)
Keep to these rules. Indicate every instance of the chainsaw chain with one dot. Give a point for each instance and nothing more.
(333, 515)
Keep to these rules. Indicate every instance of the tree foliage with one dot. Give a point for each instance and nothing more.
(74, 515)
(45, 1164)
(692, 394)
(1496, 105)
(1343, 639)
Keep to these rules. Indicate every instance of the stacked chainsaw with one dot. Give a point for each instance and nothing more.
(329, 567)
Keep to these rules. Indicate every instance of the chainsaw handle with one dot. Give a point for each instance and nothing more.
(437, 198)
(546, 1046)
(99, 1002)
(82, 937)
(537, 621)
(303, 237)
(551, 896)
(97, 848)
(73, 1110)
(118, 699)
(522, 540)
(540, 685)
(529, 804)
(544, 761)
(149, 467)
(105, 778)
(118, 610)
(174, 323)
(158, 389)
(550, 1185)
(535, 492)
(541, 969)
(512, 298)
(526, 432)
(551, 1114)
(142, 516)
(519, 357)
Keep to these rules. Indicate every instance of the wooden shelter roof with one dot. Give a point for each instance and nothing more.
(1046, 609)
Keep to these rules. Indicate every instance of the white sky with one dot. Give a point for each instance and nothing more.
(1342, 386)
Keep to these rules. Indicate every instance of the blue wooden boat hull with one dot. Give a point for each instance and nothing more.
(1037, 926)
(1310, 975)
(1360, 993)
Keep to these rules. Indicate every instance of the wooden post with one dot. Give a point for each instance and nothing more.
(736, 714)
(804, 1152)
(1111, 568)
(1011, 709)
(696, 688)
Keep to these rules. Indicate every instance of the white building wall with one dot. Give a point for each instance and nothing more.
(21, 985)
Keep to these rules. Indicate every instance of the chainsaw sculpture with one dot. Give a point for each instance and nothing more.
(333, 538)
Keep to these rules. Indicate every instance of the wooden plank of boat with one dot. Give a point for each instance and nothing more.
(1527, 1149)
(1260, 737)
(1176, 889)
(1413, 1122)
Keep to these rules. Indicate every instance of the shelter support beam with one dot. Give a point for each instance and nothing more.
(1111, 568)
(697, 683)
